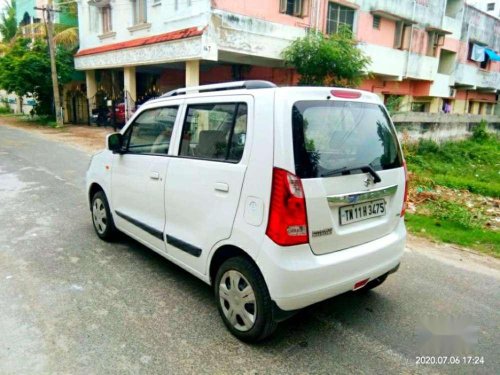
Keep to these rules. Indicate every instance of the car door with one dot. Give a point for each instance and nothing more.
(138, 176)
(204, 181)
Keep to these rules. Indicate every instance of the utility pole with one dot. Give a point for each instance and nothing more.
(48, 14)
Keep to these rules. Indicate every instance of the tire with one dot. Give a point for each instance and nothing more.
(373, 284)
(252, 321)
(102, 219)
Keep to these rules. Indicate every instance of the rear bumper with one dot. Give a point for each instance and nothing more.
(297, 278)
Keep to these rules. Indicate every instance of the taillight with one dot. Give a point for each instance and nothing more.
(287, 224)
(405, 199)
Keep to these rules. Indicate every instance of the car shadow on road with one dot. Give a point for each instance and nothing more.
(335, 316)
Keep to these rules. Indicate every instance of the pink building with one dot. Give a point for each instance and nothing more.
(427, 55)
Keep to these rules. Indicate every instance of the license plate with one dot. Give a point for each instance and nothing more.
(361, 211)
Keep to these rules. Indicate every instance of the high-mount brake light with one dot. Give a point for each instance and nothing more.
(346, 94)
(287, 224)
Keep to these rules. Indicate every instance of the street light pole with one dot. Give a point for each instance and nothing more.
(48, 14)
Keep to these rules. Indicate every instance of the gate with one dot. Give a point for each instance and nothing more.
(77, 107)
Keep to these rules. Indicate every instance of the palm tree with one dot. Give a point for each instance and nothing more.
(8, 22)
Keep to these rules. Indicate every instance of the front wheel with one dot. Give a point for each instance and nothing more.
(101, 217)
(243, 300)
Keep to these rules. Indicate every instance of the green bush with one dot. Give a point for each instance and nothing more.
(393, 103)
(479, 132)
(5, 110)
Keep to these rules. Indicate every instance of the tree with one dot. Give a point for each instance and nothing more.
(8, 22)
(332, 60)
(25, 70)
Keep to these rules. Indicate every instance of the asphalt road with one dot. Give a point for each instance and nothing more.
(72, 304)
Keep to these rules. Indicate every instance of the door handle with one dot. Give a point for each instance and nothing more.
(154, 176)
(221, 186)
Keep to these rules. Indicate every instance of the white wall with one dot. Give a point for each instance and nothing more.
(162, 16)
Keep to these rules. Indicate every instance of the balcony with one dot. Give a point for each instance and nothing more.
(422, 67)
(385, 61)
(469, 75)
(454, 26)
(425, 14)
(489, 80)
(441, 85)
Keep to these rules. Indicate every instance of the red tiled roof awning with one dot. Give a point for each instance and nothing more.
(171, 36)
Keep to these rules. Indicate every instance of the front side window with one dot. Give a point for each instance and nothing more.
(106, 20)
(337, 16)
(140, 11)
(151, 131)
(334, 138)
(214, 131)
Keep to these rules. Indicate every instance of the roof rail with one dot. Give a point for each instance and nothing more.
(249, 85)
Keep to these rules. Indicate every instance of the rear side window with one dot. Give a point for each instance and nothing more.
(335, 138)
(214, 131)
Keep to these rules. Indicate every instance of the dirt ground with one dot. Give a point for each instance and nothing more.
(486, 207)
(87, 138)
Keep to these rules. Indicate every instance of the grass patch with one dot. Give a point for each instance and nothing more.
(48, 121)
(448, 184)
(472, 164)
(446, 211)
(454, 232)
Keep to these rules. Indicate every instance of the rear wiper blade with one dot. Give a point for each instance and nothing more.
(363, 168)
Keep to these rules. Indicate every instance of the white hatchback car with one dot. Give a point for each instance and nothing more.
(279, 197)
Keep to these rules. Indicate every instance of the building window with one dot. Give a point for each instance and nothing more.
(435, 41)
(490, 7)
(402, 35)
(486, 63)
(292, 7)
(420, 107)
(337, 16)
(140, 11)
(107, 26)
(376, 22)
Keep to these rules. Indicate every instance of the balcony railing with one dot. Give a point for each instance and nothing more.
(473, 76)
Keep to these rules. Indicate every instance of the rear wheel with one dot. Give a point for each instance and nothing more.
(243, 300)
(101, 217)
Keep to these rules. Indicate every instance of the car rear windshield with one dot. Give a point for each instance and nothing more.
(340, 137)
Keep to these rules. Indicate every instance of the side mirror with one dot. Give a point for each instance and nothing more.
(114, 142)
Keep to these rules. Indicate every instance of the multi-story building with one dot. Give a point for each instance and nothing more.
(492, 7)
(433, 55)
(28, 12)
